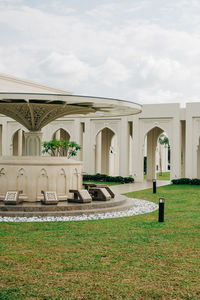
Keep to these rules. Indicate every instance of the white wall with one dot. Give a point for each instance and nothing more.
(182, 127)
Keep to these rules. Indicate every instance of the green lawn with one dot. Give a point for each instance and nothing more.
(164, 176)
(125, 258)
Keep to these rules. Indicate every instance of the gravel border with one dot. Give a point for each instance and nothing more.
(140, 207)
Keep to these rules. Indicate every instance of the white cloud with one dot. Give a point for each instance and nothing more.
(67, 65)
(116, 49)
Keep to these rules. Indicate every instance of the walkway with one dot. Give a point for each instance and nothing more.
(136, 186)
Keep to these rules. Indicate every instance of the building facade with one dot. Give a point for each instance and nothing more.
(117, 145)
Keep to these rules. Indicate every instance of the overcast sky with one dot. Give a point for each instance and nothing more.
(146, 51)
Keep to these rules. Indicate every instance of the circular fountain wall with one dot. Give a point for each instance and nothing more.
(36, 173)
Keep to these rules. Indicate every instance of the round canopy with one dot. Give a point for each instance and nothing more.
(34, 110)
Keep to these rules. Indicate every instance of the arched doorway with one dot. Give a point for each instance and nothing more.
(18, 143)
(61, 134)
(163, 157)
(106, 156)
(157, 155)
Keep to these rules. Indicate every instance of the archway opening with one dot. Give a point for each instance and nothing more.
(107, 156)
(61, 134)
(18, 143)
(157, 155)
(163, 157)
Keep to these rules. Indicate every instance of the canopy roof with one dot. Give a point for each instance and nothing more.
(35, 110)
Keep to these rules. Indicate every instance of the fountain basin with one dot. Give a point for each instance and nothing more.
(31, 174)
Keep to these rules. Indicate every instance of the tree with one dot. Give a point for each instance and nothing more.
(163, 140)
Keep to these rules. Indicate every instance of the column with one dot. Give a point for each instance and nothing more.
(19, 142)
(124, 148)
(151, 155)
(1, 142)
(88, 151)
(138, 150)
(33, 143)
(98, 153)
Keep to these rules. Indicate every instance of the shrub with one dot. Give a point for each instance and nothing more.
(61, 148)
(194, 181)
(181, 181)
(104, 177)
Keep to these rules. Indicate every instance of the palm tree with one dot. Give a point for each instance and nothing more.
(163, 140)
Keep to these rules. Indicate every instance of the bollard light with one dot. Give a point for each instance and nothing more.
(161, 210)
(154, 186)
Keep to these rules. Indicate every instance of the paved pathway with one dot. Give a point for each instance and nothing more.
(136, 186)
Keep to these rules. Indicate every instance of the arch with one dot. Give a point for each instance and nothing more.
(103, 127)
(106, 152)
(61, 182)
(18, 143)
(3, 181)
(162, 155)
(157, 126)
(43, 181)
(75, 180)
(22, 180)
(61, 134)
(150, 146)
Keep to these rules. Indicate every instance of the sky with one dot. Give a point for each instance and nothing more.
(145, 51)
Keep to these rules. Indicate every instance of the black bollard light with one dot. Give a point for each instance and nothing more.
(161, 210)
(154, 186)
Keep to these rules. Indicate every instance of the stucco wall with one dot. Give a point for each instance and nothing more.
(182, 127)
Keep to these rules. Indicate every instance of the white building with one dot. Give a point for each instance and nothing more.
(116, 145)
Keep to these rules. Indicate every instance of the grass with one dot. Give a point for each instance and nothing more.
(164, 176)
(125, 258)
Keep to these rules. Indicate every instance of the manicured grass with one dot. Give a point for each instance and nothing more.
(164, 176)
(125, 258)
(102, 182)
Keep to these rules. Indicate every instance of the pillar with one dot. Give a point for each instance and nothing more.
(124, 148)
(151, 155)
(98, 152)
(1, 141)
(19, 144)
(33, 143)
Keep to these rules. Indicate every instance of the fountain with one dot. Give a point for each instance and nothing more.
(32, 173)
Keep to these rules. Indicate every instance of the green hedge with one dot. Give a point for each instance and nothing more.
(104, 177)
(194, 181)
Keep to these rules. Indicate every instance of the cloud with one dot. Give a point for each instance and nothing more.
(113, 49)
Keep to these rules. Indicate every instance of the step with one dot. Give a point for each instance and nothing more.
(123, 205)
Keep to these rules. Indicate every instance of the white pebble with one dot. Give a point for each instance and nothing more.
(140, 207)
